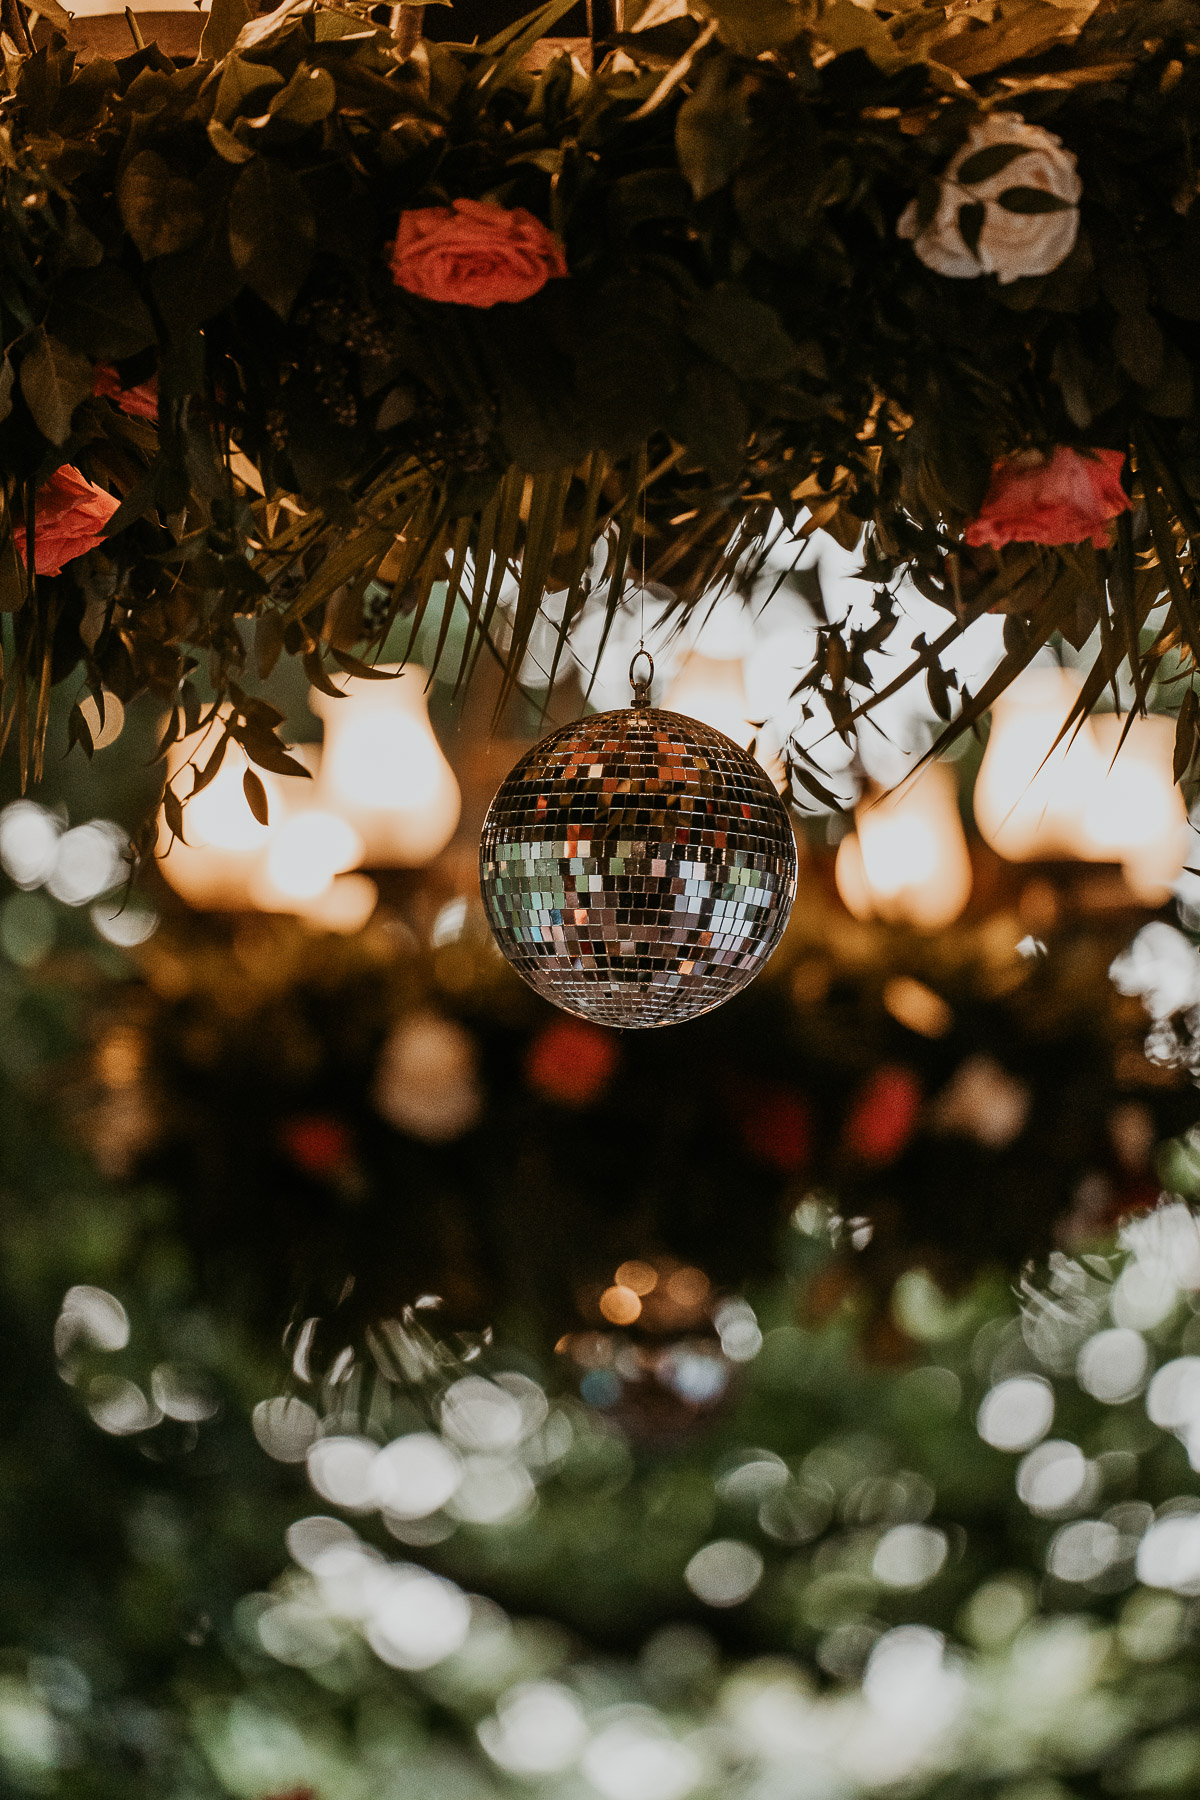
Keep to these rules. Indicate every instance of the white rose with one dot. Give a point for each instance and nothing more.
(1011, 243)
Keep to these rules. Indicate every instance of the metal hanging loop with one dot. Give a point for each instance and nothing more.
(641, 683)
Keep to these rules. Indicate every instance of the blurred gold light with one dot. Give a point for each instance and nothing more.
(688, 1287)
(907, 862)
(383, 770)
(620, 1305)
(642, 1277)
(917, 1007)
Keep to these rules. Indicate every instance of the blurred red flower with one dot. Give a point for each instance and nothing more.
(317, 1143)
(571, 1062)
(883, 1114)
(776, 1126)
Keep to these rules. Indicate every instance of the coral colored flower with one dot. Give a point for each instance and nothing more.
(474, 253)
(316, 1143)
(571, 1062)
(140, 402)
(1031, 500)
(69, 520)
(1009, 243)
(882, 1114)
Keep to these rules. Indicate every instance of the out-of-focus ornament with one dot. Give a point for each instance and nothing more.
(908, 860)
(637, 867)
(383, 770)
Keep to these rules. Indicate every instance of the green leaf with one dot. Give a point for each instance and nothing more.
(741, 333)
(309, 97)
(161, 210)
(712, 128)
(752, 26)
(220, 34)
(53, 381)
(988, 162)
(228, 147)
(847, 26)
(1031, 200)
(256, 797)
(7, 376)
(272, 231)
(239, 80)
(101, 312)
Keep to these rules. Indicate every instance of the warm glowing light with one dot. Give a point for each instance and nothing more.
(1085, 798)
(216, 866)
(908, 859)
(1029, 796)
(383, 769)
(1136, 815)
(642, 1277)
(305, 852)
(620, 1305)
(714, 691)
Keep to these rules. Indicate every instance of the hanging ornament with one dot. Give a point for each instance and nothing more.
(637, 867)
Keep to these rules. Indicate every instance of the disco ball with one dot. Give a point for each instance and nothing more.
(638, 868)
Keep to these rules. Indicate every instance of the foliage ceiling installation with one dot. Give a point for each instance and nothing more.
(317, 333)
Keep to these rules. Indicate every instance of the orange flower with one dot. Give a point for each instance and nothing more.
(474, 253)
(140, 402)
(69, 520)
(1070, 496)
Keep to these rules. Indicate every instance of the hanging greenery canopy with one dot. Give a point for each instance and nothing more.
(320, 332)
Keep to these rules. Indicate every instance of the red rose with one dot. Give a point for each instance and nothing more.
(474, 253)
(69, 520)
(1072, 496)
(776, 1126)
(571, 1062)
(316, 1143)
(140, 402)
(882, 1114)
